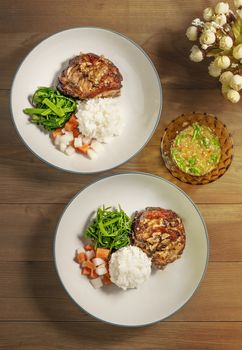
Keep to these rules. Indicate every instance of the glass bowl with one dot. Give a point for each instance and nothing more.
(217, 127)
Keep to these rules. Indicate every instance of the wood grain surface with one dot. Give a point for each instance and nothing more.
(35, 312)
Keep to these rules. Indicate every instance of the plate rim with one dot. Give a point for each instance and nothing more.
(121, 174)
(94, 28)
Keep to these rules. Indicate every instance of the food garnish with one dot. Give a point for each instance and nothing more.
(110, 229)
(196, 150)
(51, 109)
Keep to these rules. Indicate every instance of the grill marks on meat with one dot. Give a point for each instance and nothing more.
(88, 76)
(160, 234)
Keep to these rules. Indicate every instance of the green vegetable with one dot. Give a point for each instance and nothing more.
(110, 228)
(179, 161)
(51, 109)
(192, 161)
(213, 158)
(196, 131)
(205, 142)
(195, 170)
(215, 141)
(178, 139)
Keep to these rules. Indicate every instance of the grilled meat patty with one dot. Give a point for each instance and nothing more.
(160, 234)
(88, 76)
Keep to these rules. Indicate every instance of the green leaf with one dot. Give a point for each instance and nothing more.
(214, 52)
(237, 30)
(51, 109)
(110, 228)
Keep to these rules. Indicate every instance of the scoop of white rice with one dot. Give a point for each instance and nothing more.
(129, 267)
(99, 118)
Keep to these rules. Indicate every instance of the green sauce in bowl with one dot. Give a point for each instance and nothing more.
(196, 150)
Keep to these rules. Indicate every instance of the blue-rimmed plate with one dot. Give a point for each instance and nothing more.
(140, 101)
(166, 291)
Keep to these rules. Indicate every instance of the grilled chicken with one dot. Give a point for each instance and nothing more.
(88, 76)
(160, 234)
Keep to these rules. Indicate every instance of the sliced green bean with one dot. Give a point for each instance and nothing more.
(110, 228)
(50, 109)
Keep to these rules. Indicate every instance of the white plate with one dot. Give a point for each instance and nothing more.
(140, 100)
(166, 291)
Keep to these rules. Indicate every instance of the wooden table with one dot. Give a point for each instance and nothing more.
(35, 311)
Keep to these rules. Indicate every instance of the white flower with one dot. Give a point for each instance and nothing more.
(226, 43)
(236, 82)
(213, 70)
(204, 46)
(225, 77)
(197, 22)
(237, 52)
(210, 26)
(207, 37)
(222, 7)
(220, 19)
(233, 96)
(225, 89)
(215, 25)
(237, 3)
(222, 62)
(191, 33)
(196, 54)
(208, 13)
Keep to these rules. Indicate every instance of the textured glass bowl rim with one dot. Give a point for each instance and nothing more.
(202, 114)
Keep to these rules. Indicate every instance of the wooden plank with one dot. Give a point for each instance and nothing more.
(32, 291)
(99, 13)
(41, 309)
(43, 184)
(169, 49)
(167, 336)
(34, 226)
(170, 68)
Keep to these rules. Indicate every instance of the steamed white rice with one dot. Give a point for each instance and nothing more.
(129, 267)
(99, 119)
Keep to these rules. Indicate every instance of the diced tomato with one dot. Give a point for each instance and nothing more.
(102, 253)
(88, 247)
(86, 271)
(69, 126)
(80, 257)
(83, 149)
(89, 264)
(93, 274)
(73, 120)
(72, 123)
(106, 279)
(56, 132)
(75, 132)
